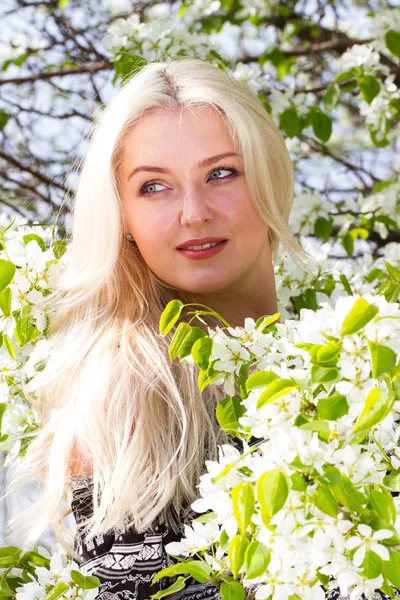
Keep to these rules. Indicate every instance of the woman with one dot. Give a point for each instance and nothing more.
(185, 193)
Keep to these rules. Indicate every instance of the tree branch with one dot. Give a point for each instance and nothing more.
(78, 69)
(43, 178)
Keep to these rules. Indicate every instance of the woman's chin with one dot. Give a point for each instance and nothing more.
(204, 287)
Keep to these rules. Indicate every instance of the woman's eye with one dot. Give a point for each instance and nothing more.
(150, 187)
(230, 171)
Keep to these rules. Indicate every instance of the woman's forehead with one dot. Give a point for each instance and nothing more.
(181, 134)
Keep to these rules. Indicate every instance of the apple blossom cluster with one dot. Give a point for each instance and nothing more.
(162, 34)
(300, 504)
(31, 261)
(40, 574)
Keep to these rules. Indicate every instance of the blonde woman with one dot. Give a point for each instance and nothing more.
(185, 193)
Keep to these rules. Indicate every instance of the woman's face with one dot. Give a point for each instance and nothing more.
(187, 205)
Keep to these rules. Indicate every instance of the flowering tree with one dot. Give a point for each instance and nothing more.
(320, 386)
(329, 77)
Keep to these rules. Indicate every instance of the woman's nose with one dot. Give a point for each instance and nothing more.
(195, 208)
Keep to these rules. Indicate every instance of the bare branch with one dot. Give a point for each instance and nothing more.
(78, 69)
(27, 169)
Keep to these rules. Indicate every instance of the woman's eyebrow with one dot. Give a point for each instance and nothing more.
(203, 163)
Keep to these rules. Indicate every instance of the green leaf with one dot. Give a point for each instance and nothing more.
(360, 314)
(395, 103)
(260, 379)
(236, 552)
(228, 412)
(8, 588)
(5, 301)
(78, 578)
(242, 378)
(393, 271)
(383, 358)
(9, 346)
(232, 590)
(181, 332)
(201, 352)
(372, 565)
(9, 556)
(344, 76)
(177, 586)
(243, 504)
(324, 374)
(376, 407)
(333, 407)
(391, 569)
(58, 591)
(264, 322)
(345, 493)
(331, 96)
(194, 334)
(298, 482)
(59, 248)
(388, 289)
(63, 4)
(290, 122)
(3, 408)
(307, 299)
(211, 24)
(34, 558)
(224, 540)
(257, 558)
(346, 284)
(377, 524)
(321, 124)
(7, 270)
(207, 377)
(127, 65)
(382, 503)
(206, 518)
(86, 582)
(392, 39)
(332, 474)
(392, 481)
(325, 501)
(33, 236)
(91, 582)
(272, 491)
(327, 355)
(276, 389)
(4, 117)
(378, 138)
(369, 87)
(348, 244)
(323, 228)
(197, 569)
(317, 425)
(170, 315)
(375, 274)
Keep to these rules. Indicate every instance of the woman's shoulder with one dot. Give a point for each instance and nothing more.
(79, 464)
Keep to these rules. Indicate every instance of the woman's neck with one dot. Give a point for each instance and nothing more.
(236, 306)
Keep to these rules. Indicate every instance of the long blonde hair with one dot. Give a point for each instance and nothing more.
(108, 388)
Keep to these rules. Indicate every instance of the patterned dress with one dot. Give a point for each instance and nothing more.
(126, 563)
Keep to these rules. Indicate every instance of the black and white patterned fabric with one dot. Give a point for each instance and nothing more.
(126, 562)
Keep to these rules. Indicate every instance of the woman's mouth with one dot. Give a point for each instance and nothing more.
(203, 250)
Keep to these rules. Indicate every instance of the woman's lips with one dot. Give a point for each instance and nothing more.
(203, 253)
